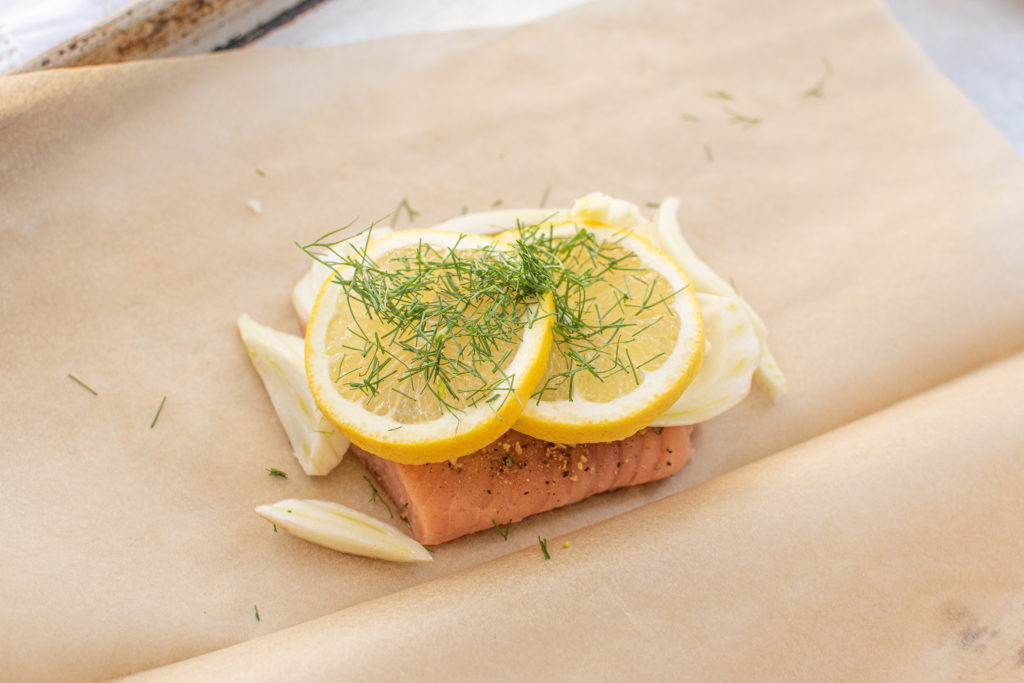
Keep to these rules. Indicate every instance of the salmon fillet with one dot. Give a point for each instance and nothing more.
(518, 476)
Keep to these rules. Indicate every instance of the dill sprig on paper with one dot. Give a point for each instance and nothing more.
(374, 496)
(818, 89)
(410, 212)
(503, 532)
(742, 120)
(544, 547)
(82, 384)
(159, 410)
(719, 94)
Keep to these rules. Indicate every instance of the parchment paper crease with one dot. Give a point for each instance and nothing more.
(841, 558)
(877, 229)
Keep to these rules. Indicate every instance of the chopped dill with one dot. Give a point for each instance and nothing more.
(544, 197)
(504, 533)
(375, 497)
(257, 611)
(275, 528)
(818, 89)
(707, 153)
(260, 173)
(652, 205)
(158, 411)
(82, 384)
(404, 204)
(719, 94)
(496, 204)
(544, 547)
(742, 120)
(691, 118)
(465, 210)
(274, 472)
(442, 324)
(566, 544)
(402, 509)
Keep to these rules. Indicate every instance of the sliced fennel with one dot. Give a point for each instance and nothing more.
(768, 375)
(337, 527)
(278, 358)
(730, 359)
(306, 289)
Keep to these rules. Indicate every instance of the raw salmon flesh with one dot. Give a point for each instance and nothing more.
(518, 476)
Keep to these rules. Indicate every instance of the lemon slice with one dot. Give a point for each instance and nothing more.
(628, 336)
(426, 344)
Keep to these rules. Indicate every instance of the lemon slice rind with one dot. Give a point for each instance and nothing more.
(451, 434)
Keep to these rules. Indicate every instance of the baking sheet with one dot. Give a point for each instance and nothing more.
(876, 229)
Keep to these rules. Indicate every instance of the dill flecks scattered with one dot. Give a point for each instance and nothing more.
(707, 153)
(544, 547)
(504, 533)
(496, 204)
(274, 472)
(256, 610)
(82, 384)
(742, 120)
(275, 528)
(544, 197)
(465, 210)
(719, 94)
(652, 205)
(260, 173)
(404, 204)
(158, 411)
(692, 118)
(566, 544)
(375, 497)
(818, 89)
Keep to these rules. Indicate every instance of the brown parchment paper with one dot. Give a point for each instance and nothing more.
(877, 229)
(840, 559)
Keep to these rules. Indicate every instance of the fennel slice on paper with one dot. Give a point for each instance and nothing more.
(278, 358)
(340, 528)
